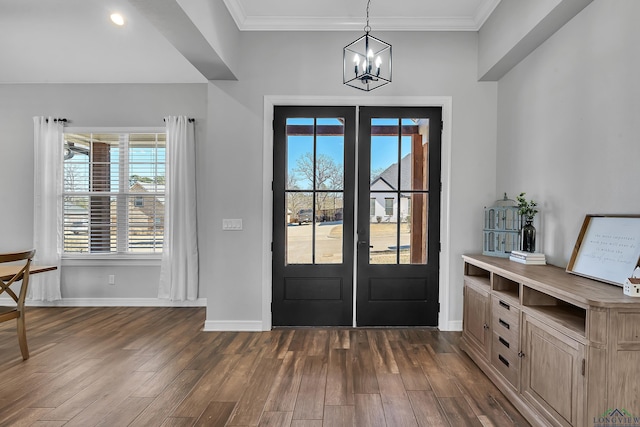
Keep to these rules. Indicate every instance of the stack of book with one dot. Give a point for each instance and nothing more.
(531, 258)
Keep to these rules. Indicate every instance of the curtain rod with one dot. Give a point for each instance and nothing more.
(190, 119)
(63, 120)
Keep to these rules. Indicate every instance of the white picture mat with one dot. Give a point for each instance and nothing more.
(609, 250)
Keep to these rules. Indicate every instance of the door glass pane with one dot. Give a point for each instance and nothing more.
(299, 229)
(383, 231)
(315, 162)
(398, 190)
(385, 175)
(329, 154)
(415, 152)
(413, 229)
(329, 236)
(299, 154)
(414, 187)
(384, 154)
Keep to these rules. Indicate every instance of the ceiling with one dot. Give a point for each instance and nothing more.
(73, 41)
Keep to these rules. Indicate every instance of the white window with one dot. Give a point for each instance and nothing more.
(388, 206)
(113, 192)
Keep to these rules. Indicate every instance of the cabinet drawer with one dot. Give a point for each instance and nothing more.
(505, 343)
(505, 325)
(505, 359)
(505, 318)
(505, 308)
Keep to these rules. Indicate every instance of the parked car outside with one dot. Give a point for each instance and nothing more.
(305, 215)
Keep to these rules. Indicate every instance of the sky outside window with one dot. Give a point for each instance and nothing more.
(384, 149)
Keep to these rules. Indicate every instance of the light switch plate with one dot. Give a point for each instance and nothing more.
(232, 224)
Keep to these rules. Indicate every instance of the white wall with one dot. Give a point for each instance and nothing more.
(568, 123)
(309, 63)
(111, 105)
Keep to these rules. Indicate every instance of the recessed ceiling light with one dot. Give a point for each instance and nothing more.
(117, 19)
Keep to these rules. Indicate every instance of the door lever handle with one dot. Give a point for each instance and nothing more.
(364, 242)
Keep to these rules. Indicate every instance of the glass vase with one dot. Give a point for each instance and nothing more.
(528, 236)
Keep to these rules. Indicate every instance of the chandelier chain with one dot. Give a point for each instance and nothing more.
(367, 28)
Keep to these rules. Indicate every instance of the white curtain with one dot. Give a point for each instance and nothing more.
(47, 213)
(179, 271)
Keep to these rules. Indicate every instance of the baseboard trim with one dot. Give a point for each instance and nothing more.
(233, 325)
(111, 302)
(452, 325)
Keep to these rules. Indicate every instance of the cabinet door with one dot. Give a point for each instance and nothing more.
(476, 319)
(553, 373)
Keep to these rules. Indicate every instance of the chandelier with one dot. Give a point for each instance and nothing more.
(366, 61)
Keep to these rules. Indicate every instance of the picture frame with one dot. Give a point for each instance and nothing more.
(607, 248)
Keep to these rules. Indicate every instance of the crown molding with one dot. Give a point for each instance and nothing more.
(485, 10)
(306, 23)
(237, 12)
(246, 22)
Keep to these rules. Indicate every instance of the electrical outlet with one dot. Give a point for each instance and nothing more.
(112, 279)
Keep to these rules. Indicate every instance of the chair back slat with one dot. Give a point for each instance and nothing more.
(5, 286)
(17, 256)
(22, 274)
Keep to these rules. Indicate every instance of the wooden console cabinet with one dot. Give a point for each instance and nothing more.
(564, 349)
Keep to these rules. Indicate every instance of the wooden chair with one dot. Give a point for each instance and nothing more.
(17, 312)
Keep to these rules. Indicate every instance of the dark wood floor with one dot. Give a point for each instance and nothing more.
(154, 367)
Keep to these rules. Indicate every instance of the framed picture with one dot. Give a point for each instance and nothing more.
(607, 248)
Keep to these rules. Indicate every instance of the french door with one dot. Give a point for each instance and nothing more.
(318, 242)
(398, 216)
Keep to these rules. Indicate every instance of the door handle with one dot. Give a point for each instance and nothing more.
(364, 242)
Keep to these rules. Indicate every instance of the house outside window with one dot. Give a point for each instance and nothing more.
(113, 192)
(372, 207)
